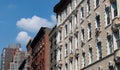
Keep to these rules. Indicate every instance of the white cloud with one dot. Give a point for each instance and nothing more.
(53, 17)
(33, 24)
(23, 37)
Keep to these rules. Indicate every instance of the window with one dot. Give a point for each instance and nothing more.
(81, 13)
(60, 53)
(82, 34)
(71, 65)
(66, 30)
(81, 0)
(60, 35)
(97, 18)
(70, 25)
(75, 3)
(109, 44)
(76, 41)
(75, 21)
(4, 52)
(115, 38)
(66, 66)
(83, 59)
(114, 9)
(66, 51)
(60, 18)
(111, 68)
(96, 3)
(3, 62)
(59, 68)
(65, 13)
(70, 7)
(107, 15)
(99, 50)
(90, 55)
(89, 30)
(88, 7)
(71, 46)
(117, 67)
(77, 63)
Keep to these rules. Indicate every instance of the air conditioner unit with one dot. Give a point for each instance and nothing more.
(117, 57)
(97, 29)
(76, 52)
(82, 43)
(71, 56)
(109, 36)
(59, 63)
(117, 60)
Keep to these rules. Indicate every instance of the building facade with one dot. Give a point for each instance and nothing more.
(53, 49)
(8, 55)
(41, 50)
(23, 66)
(28, 61)
(88, 34)
(17, 60)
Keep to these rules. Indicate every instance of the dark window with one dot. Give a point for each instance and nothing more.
(98, 20)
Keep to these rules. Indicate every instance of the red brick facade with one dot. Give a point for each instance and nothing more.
(29, 57)
(40, 51)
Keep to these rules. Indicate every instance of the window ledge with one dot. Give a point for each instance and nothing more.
(88, 15)
(81, 20)
(96, 7)
(89, 39)
(66, 36)
(107, 26)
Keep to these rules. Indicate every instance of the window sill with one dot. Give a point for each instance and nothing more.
(66, 36)
(107, 26)
(66, 56)
(89, 39)
(96, 7)
(88, 15)
(81, 20)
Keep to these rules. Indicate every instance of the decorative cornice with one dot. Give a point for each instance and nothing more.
(61, 6)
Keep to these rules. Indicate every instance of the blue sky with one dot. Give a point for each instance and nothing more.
(20, 20)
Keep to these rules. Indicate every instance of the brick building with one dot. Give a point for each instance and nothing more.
(8, 55)
(41, 50)
(17, 60)
(28, 59)
(26, 63)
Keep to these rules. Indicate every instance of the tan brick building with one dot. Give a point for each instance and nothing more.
(88, 34)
